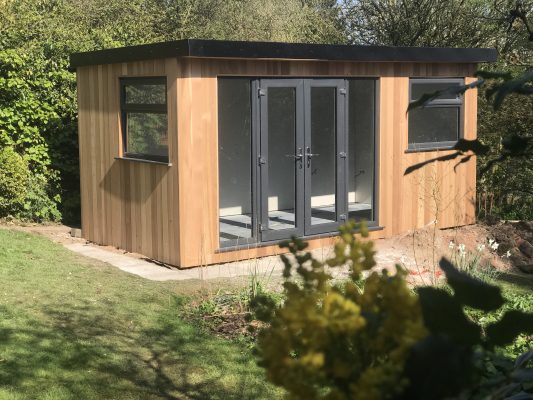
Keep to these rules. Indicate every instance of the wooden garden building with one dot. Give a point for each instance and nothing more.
(196, 152)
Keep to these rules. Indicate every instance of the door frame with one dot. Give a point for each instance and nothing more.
(266, 234)
(341, 135)
(303, 87)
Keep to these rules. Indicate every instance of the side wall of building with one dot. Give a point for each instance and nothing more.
(129, 205)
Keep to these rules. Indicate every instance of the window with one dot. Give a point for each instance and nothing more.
(144, 118)
(235, 161)
(437, 125)
(361, 150)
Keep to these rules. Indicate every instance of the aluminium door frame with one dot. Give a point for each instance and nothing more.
(341, 136)
(262, 158)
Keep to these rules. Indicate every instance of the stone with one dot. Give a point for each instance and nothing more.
(75, 232)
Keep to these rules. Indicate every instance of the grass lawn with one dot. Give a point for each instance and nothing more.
(74, 328)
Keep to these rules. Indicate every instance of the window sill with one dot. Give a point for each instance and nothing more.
(168, 164)
(426, 149)
(249, 246)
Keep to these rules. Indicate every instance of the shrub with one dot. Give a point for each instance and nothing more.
(384, 341)
(338, 342)
(14, 177)
(39, 206)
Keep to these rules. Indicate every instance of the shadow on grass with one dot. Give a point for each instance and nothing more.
(516, 279)
(99, 356)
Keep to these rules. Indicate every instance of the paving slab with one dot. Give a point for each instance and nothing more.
(144, 268)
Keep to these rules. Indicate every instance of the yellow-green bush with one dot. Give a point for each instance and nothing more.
(14, 177)
(337, 341)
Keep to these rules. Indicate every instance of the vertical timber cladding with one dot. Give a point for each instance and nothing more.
(127, 204)
(436, 192)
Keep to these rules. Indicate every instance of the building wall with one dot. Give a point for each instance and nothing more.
(141, 207)
(130, 205)
(436, 192)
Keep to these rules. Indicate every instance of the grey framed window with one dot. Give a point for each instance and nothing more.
(143, 104)
(362, 155)
(439, 124)
(236, 155)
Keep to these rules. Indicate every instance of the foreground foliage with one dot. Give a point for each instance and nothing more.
(380, 340)
(337, 342)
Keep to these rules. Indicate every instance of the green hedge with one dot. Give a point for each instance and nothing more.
(14, 177)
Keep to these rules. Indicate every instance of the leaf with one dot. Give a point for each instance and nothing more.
(419, 165)
(443, 314)
(463, 160)
(455, 90)
(512, 324)
(437, 368)
(462, 146)
(470, 291)
(515, 144)
(518, 85)
(475, 146)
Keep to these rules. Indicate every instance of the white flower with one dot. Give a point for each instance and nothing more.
(451, 245)
(491, 241)
(508, 254)
(480, 247)
(494, 246)
(461, 249)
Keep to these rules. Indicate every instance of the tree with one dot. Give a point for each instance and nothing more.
(45, 32)
(503, 24)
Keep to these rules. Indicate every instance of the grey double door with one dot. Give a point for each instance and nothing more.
(302, 156)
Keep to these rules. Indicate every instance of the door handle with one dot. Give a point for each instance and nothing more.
(298, 156)
(310, 155)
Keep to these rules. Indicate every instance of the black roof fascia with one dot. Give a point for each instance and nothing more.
(273, 50)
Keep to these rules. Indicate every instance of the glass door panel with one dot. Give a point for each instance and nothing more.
(281, 159)
(281, 147)
(361, 150)
(323, 165)
(324, 155)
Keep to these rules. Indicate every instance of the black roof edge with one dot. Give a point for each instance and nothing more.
(274, 50)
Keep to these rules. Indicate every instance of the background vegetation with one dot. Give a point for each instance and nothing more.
(38, 94)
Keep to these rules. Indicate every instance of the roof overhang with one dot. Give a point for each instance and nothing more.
(285, 51)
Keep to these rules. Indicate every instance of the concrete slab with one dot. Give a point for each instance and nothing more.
(263, 268)
(132, 265)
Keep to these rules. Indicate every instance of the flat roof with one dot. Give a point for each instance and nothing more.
(274, 50)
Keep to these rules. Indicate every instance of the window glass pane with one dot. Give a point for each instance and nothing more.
(147, 134)
(420, 88)
(323, 164)
(144, 93)
(434, 124)
(361, 149)
(235, 162)
(281, 163)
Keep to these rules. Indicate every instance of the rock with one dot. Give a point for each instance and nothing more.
(527, 268)
(526, 248)
(75, 232)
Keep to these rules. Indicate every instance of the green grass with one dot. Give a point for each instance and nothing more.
(73, 328)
